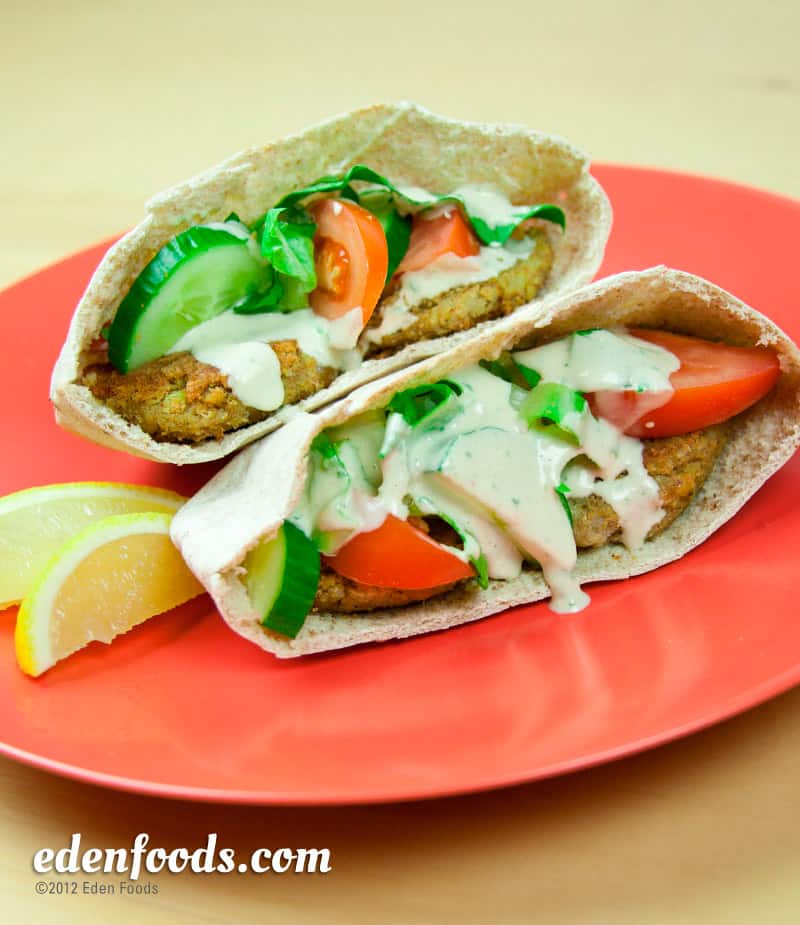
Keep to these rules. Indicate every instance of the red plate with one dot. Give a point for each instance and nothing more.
(184, 707)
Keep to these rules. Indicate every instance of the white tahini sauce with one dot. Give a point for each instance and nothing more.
(238, 345)
(252, 368)
(612, 466)
(238, 230)
(339, 498)
(475, 462)
(594, 361)
(487, 203)
(480, 199)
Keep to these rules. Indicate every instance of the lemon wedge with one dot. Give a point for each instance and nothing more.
(113, 575)
(35, 522)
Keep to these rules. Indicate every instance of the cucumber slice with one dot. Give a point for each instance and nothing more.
(197, 275)
(282, 578)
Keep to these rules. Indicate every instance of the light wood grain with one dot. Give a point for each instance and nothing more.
(104, 104)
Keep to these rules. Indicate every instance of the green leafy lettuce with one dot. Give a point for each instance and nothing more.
(419, 403)
(488, 233)
(561, 491)
(507, 368)
(286, 232)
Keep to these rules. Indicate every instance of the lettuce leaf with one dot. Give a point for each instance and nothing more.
(418, 403)
(487, 232)
(286, 232)
(507, 368)
(287, 242)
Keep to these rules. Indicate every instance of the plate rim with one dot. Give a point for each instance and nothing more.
(751, 699)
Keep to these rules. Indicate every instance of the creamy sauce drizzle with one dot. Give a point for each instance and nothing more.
(475, 463)
(604, 359)
(487, 203)
(481, 200)
(237, 230)
(339, 498)
(480, 467)
(238, 345)
(252, 368)
(612, 465)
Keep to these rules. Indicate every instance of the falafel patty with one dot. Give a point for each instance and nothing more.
(337, 594)
(680, 466)
(177, 398)
(463, 307)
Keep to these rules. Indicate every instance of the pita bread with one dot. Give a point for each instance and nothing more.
(402, 141)
(249, 499)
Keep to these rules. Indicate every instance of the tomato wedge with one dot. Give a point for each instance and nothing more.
(398, 555)
(446, 233)
(350, 257)
(714, 383)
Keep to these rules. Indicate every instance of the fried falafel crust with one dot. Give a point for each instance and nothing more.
(337, 594)
(178, 399)
(679, 465)
(463, 307)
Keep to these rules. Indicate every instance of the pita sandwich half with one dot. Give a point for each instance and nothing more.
(244, 507)
(175, 407)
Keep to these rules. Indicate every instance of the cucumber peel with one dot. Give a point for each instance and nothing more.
(282, 578)
(194, 277)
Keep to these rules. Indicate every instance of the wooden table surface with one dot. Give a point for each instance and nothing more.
(104, 104)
